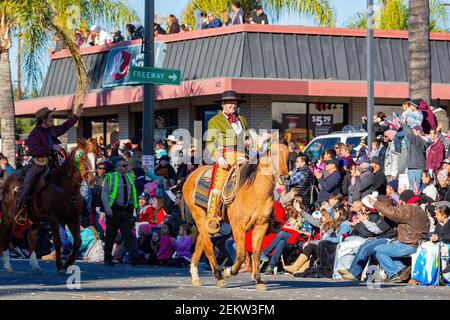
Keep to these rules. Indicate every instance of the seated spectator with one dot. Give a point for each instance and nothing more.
(146, 212)
(428, 188)
(166, 249)
(362, 182)
(182, 246)
(4, 163)
(213, 22)
(165, 170)
(442, 230)
(258, 16)
(413, 224)
(150, 247)
(392, 191)
(442, 186)
(380, 229)
(379, 178)
(158, 29)
(330, 184)
(173, 26)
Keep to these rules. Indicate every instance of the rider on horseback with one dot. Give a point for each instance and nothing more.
(43, 142)
(226, 131)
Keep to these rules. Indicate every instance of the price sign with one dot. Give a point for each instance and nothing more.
(321, 124)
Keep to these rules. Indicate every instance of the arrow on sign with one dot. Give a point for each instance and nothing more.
(173, 77)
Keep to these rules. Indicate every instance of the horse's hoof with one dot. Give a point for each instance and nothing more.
(227, 273)
(261, 287)
(9, 270)
(221, 283)
(196, 283)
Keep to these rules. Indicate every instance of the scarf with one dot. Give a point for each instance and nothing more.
(232, 118)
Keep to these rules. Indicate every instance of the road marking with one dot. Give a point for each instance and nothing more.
(83, 296)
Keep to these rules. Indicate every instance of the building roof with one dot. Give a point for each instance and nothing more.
(263, 52)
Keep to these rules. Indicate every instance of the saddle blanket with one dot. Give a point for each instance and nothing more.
(201, 195)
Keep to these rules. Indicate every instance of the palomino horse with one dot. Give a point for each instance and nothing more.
(57, 202)
(251, 207)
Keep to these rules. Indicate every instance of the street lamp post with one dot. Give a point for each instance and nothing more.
(370, 80)
(149, 96)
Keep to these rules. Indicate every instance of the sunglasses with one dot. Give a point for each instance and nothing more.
(101, 168)
(125, 166)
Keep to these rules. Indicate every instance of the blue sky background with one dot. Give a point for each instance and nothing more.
(344, 10)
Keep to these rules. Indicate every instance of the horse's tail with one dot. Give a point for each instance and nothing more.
(274, 225)
(186, 215)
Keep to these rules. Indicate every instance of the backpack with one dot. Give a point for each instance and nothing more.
(95, 253)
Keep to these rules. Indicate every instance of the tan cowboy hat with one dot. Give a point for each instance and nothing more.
(230, 95)
(43, 113)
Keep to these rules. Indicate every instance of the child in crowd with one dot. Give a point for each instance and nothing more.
(375, 149)
(150, 247)
(392, 191)
(146, 213)
(182, 245)
(165, 251)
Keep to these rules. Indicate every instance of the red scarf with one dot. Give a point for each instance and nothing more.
(232, 118)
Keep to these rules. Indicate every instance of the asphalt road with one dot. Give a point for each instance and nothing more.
(143, 282)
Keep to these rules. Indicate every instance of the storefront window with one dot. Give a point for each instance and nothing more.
(105, 129)
(302, 122)
(165, 122)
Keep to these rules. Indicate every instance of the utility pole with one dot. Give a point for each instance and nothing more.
(370, 80)
(19, 91)
(149, 96)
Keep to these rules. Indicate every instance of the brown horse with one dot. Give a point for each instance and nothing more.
(251, 208)
(57, 201)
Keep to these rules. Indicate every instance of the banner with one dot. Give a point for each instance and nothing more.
(121, 59)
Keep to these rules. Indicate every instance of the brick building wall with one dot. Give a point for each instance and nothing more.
(258, 111)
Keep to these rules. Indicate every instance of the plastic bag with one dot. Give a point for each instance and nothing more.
(425, 264)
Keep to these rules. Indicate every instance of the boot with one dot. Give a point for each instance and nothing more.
(295, 267)
(21, 217)
(212, 218)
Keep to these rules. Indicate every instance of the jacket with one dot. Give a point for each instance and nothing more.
(328, 186)
(183, 246)
(434, 156)
(391, 158)
(375, 226)
(379, 182)
(429, 119)
(217, 137)
(443, 232)
(302, 179)
(238, 17)
(416, 150)
(363, 186)
(41, 140)
(413, 222)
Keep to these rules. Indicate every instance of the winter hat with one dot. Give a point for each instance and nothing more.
(394, 184)
(423, 105)
(409, 197)
(443, 174)
(415, 103)
(390, 134)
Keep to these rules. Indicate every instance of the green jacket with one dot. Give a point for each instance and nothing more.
(218, 127)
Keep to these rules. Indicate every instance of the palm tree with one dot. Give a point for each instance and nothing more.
(419, 50)
(393, 15)
(320, 10)
(39, 21)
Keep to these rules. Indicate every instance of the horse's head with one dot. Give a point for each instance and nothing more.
(85, 159)
(279, 154)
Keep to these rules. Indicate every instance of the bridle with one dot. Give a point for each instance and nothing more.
(79, 154)
(278, 177)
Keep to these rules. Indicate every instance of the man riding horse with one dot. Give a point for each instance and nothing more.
(225, 142)
(44, 144)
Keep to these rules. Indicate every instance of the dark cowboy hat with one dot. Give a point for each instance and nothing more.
(230, 96)
(43, 113)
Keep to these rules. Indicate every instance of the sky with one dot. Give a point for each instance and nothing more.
(344, 10)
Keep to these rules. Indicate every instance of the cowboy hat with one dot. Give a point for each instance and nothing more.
(43, 113)
(230, 96)
(171, 138)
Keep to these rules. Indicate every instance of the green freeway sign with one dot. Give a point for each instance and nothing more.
(155, 75)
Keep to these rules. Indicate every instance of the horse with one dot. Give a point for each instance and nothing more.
(55, 199)
(252, 207)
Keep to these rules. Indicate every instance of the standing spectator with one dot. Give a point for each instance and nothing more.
(293, 154)
(79, 38)
(416, 156)
(160, 150)
(379, 124)
(213, 22)
(391, 156)
(173, 26)
(429, 119)
(119, 199)
(117, 36)
(164, 169)
(413, 224)
(225, 18)
(258, 16)
(98, 36)
(238, 14)
(435, 153)
(157, 29)
(175, 151)
(301, 178)
(379, 178)
(412, 115)
(330, 184)
(346, 156)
